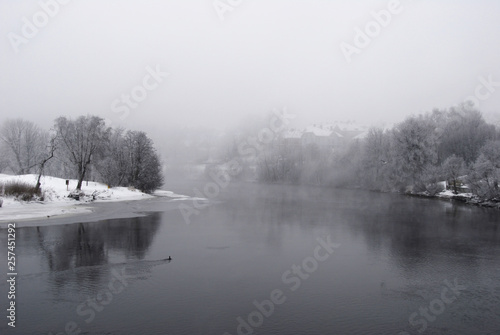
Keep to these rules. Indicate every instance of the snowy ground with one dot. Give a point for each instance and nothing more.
(447, 194)
(450, 194)
(57, 203)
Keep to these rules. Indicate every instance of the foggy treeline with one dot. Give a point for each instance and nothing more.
(83, 148)
(455, 145)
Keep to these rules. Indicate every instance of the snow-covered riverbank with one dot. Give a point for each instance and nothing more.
(56, 201)
(467, 198)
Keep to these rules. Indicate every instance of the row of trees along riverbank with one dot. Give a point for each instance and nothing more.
(456, 145)
(81, 148)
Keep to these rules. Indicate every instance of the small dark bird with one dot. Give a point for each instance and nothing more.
(169, 258)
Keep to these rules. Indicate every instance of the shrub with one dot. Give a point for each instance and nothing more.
(20, 190)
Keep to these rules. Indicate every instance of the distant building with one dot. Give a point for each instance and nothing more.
(335, 136)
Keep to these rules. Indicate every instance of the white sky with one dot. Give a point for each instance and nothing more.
(266, 54)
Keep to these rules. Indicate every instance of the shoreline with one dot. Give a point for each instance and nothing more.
(467, 200)
(55, 205)
(463, 198)
(99, 211)
(94, 211)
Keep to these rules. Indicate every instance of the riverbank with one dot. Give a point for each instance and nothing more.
(55, 200)
(467, 198)
(102, 211)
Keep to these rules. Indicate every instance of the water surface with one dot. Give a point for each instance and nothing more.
(394, 257)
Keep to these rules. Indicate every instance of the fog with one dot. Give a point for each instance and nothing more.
(244, 59)
(250, 167)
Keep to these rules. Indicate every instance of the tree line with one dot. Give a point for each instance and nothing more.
(81, 148)
(455, 145)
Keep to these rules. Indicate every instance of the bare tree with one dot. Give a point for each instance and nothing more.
(114, 166)
(279, 162)
(375, 158)
(4, 160)
(80, 140)
(24, 142)
(44, 159)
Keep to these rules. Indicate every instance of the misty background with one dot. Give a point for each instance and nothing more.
(212, 76)
(263, 55)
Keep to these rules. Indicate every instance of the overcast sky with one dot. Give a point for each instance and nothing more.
(264, 54)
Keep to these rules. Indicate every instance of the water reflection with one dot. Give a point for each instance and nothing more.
(68, 248)
(395, 253)
(412, 232)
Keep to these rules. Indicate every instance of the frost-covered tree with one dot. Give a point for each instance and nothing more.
(23, 142)
(464, 133)
(415, 148)
(144, 165)
(80, 140)
(114, 165)
(375, 157)
(485, 177)
(279, 162)
(452, 168)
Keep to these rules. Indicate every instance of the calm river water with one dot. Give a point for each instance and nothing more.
(258, 260)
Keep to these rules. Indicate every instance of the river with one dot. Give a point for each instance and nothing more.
(264, 260)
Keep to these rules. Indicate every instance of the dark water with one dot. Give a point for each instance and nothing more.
(396, 255)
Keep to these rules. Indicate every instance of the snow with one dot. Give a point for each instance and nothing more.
(169, 194)
(326, 129)
(450, 194)
(361, 136)
(292, 133)
(56, 201)
(318, 131)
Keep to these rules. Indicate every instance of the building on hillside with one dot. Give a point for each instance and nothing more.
(334, 136)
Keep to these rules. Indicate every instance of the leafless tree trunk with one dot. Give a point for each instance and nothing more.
(81, 140)
(24, 141)
(43, 160)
